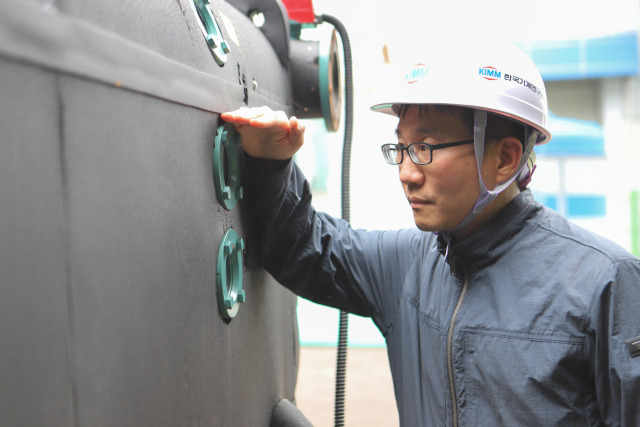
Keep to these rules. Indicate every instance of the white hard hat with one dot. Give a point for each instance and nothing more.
(497, 78)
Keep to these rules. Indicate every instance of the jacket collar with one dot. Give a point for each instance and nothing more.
(494, 239)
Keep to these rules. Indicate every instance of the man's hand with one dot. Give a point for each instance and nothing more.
(266, 133)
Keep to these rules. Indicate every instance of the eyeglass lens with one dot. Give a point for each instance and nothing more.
(419, 152)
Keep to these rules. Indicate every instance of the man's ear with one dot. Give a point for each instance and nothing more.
(509, 151)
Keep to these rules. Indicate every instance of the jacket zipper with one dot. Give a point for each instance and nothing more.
(456, 311)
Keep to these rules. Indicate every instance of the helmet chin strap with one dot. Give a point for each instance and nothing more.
(486, 196)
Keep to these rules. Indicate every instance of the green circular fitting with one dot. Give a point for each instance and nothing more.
(226, 166)
(229, 275)
(211, 31)
(330, 83)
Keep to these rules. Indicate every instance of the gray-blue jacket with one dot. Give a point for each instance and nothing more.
(532, 321)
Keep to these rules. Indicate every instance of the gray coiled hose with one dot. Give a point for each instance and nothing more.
(341, 365)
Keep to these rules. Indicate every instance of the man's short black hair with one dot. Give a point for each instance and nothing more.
(497, 125)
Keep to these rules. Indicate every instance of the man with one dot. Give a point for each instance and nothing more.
(496, 310)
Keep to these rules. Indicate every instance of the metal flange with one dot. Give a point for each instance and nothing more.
(317, 81)
(211, 31)
(229, 275)
(226, 166)
(330, 81)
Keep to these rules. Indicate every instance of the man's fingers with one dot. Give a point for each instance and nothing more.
(296, 128)
(267, 133)
(296, 132)
(258, 117)
(265, 117)
(242, 115)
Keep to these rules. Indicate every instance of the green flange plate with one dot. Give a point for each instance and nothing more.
(226, 166)
(229, 275)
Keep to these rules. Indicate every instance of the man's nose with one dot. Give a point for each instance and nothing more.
(410, 173)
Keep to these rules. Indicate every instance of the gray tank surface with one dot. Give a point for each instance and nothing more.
(110, 228)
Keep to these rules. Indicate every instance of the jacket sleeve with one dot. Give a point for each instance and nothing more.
(322, 258)
(615, 335)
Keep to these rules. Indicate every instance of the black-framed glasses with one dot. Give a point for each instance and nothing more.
(421, 153)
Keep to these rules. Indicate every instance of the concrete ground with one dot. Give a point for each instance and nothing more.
(369, 394)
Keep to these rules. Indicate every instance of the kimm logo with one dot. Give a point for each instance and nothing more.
(418, 72)
(490, 73)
